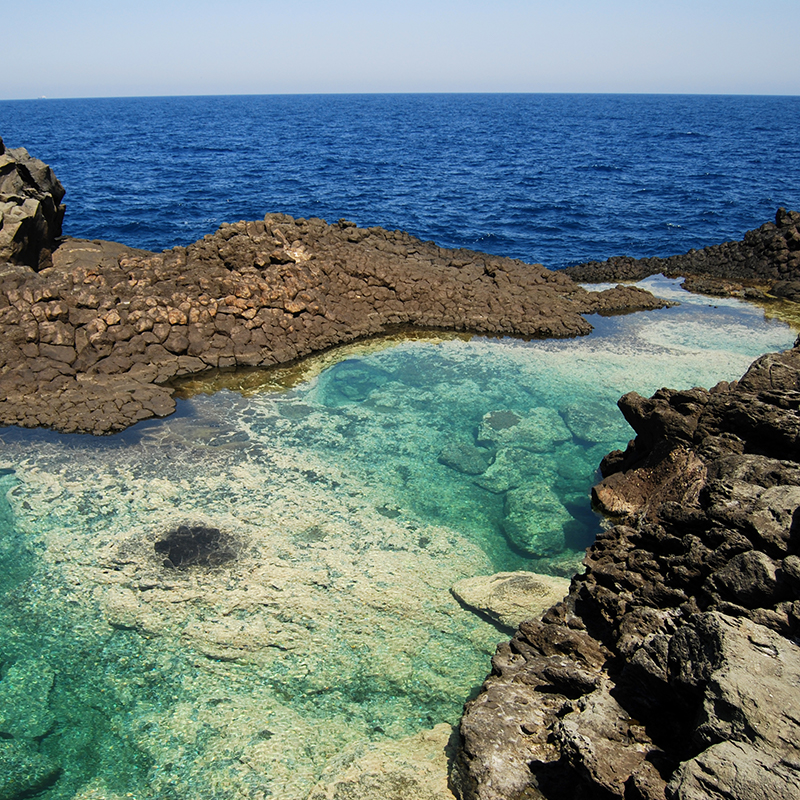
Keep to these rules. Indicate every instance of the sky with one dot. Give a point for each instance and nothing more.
(116, 48)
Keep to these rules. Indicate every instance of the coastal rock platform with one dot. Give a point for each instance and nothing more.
(671, 668)
(91, 343)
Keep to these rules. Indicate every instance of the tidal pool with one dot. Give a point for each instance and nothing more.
(222, 603)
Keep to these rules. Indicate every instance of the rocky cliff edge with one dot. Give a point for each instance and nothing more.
(672, 667)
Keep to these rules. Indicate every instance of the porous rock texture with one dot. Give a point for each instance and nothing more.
(767, 260)
(91, 343)
(31, 212)
(672, 668)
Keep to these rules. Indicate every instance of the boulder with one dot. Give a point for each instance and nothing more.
(534, 519)
(538, 430)
(465, 458)
(510, 598)
(31, 212)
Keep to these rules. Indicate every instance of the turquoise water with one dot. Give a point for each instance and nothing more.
(339, 502)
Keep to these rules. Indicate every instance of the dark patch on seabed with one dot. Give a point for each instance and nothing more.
(195, 545)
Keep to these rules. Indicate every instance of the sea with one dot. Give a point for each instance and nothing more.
(547, 178)
(319, 651)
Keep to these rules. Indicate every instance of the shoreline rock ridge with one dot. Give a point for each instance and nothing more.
(91, 343)
(765, 262)
(671, 669)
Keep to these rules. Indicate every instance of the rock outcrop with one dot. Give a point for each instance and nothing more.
(671, 668)
(31, 212)
(91, 343)
(765, 260)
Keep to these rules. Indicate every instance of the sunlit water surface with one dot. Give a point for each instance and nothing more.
(349, 494)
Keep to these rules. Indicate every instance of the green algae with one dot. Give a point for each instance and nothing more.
(349, 500)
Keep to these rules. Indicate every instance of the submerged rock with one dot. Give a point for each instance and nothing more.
(534, 520)
(539, 429)
(25, 700)
(195, 545)
(413, 767)
(24, 771)
(511, 597)
(465, 458)
(512, 466)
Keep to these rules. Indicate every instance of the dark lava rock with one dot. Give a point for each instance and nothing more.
(671, 668)
(196, 545)
(765, 262)
(30, 209)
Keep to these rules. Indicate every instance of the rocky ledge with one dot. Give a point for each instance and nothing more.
(766, 262)
(90, 343)
(672, 667)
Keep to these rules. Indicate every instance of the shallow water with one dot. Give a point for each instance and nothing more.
(349, 495)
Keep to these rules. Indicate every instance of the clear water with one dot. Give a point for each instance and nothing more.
(556, 179)
(331, 621)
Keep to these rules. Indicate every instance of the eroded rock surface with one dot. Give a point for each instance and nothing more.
(671, 668)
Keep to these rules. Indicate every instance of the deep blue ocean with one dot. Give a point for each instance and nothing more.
(556, 179)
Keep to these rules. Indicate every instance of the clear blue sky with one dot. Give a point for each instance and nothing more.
(111, 48)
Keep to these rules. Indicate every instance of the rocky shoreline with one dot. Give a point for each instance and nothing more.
(765, 263)
(671, 668)
(92, 332)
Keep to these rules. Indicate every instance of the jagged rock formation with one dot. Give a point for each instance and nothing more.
(30, 209)
(767, 258)
(671, 668)
(90, 343)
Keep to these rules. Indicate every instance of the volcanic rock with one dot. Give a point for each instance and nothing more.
(670, 669)
(765, 262)
(30, 209)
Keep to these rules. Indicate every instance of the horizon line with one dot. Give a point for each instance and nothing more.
(398, 93)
